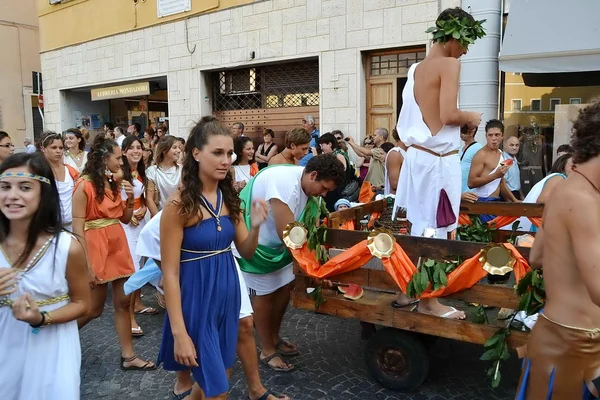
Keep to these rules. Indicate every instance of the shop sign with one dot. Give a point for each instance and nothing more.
(117, 92)
(170, 7)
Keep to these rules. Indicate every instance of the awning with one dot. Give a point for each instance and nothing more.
(551, 36)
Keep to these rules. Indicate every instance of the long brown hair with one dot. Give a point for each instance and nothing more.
(162, 148)
(190, 202)
(102, 147)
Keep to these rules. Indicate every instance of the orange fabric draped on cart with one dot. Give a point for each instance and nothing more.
(498, 222)
(400, 267)
(366, 193)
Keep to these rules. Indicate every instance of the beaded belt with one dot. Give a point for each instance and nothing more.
(6, 302)
(205, 254)
(100, 223)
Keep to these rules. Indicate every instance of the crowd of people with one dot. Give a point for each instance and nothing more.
(203, 221)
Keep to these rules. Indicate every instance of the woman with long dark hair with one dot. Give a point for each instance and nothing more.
(75, 156)
(98, 210)
(43, 286)
(65, 176)
(164, 176)
(244, 167)
(6, 146)
(135, 173)
(201, 282)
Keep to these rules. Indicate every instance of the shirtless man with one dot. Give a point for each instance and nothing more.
(297, 144)
(486, 177)
(563, 349)
(429, 125)
(393, 164)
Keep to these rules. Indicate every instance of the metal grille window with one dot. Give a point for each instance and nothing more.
(269, 86)
(394, 64)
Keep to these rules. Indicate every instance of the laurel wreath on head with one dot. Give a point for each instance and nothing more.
(461, 29)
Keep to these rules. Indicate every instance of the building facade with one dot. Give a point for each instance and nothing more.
(19, 115)
(265, 63)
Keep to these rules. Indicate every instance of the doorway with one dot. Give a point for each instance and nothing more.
(386, 77)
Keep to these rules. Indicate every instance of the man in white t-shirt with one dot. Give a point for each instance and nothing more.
(149, 246)
(119, 136)
(269, 274)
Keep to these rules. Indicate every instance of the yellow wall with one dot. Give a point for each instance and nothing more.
(79, 21)
(516, 89)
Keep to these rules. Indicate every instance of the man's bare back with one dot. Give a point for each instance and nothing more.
(280, 159)
(570, 240)
(436, 93)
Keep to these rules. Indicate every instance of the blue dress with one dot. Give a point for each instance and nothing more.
(210, 302)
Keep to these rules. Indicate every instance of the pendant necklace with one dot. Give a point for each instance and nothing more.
(215, 213)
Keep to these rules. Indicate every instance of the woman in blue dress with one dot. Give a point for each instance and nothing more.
(198, 225)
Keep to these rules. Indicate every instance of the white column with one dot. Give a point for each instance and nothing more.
(479, 67)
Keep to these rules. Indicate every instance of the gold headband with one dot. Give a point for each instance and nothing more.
(25, 175)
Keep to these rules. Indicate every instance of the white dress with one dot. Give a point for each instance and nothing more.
(424, 175)
(133, 232)
(387, 188)
(71, 162)
(65, 193)
(242, 173)
(43, 365)
(489, 188)
(165, 181)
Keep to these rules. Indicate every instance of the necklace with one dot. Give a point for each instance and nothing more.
(587, 179)
(75, 157)
(216, 213)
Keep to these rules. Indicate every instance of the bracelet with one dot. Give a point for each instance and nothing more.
(47, 318)
(130, 204)
(42, 322)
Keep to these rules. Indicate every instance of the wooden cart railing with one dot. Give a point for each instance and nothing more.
(380, 290)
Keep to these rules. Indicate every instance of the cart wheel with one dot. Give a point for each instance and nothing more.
(397, 360)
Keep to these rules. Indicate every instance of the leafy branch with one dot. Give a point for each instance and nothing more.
(464, 30)
(432, 273)
(478, 231)
(317, 296)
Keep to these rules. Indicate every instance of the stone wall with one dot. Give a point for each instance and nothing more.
(336, 31)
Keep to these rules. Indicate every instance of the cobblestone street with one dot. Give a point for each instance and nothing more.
(331, 365)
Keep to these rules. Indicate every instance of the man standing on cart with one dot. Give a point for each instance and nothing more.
(429, 186)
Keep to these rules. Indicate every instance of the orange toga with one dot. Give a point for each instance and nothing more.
(105, 238)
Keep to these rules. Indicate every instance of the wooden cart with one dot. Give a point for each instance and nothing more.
(396, 355)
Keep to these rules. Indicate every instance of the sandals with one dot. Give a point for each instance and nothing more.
(148, 366)
(148, 311)
(266, 395)
(161, 301)
(137, 332)
(276, 369)
(181, 395)
(288, 353)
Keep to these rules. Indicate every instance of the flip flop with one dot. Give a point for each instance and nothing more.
(276, 369)
(395, 304)
(161, 301)
(269, 393)
(449, 313)
(148, 366)
(290, 353)
(181, 395)
(148, 311)
(137, 332)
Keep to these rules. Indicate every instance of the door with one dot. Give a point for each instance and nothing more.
(381, 104)
(386, 76)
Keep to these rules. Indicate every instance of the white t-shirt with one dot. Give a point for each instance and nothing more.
(281, 183)
(242, 173)
(119, 140)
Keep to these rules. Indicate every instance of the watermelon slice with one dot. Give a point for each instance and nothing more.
(352, 291)
(508, 161)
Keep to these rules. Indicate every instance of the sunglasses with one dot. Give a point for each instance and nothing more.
(338, 137)
(368, 143)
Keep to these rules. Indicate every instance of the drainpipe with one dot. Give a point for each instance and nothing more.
(479, 67)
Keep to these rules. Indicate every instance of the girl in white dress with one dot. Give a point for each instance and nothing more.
(64, 175)
(164, 176)
(244, 167)
(75, 156)
(163, 179)
(134, 173)
(43, 286)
